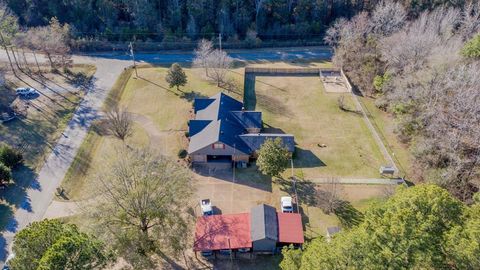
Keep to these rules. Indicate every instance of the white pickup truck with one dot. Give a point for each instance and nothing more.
(206, 205)
(286, 204)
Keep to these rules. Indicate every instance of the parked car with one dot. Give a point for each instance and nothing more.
(207, 209)
(26, 91)
(286, 204)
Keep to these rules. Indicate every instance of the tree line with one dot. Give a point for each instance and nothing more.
(186, 20)
(422, 227)
(423, 70)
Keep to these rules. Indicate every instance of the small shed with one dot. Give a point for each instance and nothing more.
(264, 228)
(387, 170)
(331, 231)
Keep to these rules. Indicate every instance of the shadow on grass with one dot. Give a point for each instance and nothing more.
(6, 214)
(250, 176)
(16, 194)
(191, 96)
(347, 214)
(306, 190)
(304, 158)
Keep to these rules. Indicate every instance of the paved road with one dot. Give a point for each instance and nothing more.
(267, 54)
(109, 66)
(40, 194)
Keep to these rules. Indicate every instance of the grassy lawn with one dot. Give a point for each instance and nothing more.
(385, 125)
(297, 105)
(300, 106)
(311, 115)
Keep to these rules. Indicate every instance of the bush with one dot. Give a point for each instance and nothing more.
(10, 157)
(182, 153)
(5, 173)
(187, 134)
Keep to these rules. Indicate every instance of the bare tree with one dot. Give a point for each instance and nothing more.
(328, 196)
(219, 62)
(143, 204)
(258, 8)
(119, 123)
(53, 41)
(204, 49)
(470, 21)
(388, 17)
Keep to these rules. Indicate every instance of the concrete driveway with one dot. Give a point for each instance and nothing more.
(229, 197)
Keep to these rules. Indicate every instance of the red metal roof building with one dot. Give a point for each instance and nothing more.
(233, 231)
(218, 232)
(290, 228)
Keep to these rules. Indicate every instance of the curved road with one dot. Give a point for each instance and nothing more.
(109, 67)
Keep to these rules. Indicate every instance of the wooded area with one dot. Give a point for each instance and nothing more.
(420, 70)
(190, 20)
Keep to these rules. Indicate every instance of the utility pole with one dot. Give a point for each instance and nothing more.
(8, 55)
(133, 58)
(295, 187)
(234, 163)
(220, 40)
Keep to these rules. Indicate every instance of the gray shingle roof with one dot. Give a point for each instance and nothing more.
(255, 140)
(221, 118)
(263, 223)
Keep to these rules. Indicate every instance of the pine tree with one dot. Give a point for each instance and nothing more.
(176, 76)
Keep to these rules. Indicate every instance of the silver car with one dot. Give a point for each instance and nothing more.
(25, 91)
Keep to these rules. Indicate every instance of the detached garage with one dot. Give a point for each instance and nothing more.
(264, 230)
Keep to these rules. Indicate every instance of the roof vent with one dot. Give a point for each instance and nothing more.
(243, 109)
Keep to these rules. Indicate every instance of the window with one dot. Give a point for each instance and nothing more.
(218, 146)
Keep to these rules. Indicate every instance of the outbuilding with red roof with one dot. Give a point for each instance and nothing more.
(262, 230)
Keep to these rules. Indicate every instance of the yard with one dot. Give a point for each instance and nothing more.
(45, 117)
(296, 105)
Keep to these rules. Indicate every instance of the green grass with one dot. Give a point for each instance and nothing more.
(300, 106)
(96, 147)
(385, 125)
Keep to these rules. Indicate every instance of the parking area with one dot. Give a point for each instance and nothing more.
(229, 195)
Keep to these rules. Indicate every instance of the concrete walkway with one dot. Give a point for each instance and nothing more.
(359, 181)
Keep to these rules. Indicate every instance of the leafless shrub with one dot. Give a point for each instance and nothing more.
(120, 123)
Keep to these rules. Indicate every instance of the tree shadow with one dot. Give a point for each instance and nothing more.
(306, 190)
(250, 176)
(348, 215)
(191, 96)
(158, 85)
(3, 248)
(6, 214)
(16, 194)
(304, 158)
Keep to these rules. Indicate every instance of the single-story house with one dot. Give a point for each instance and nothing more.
(223, 131)
(262, 230)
